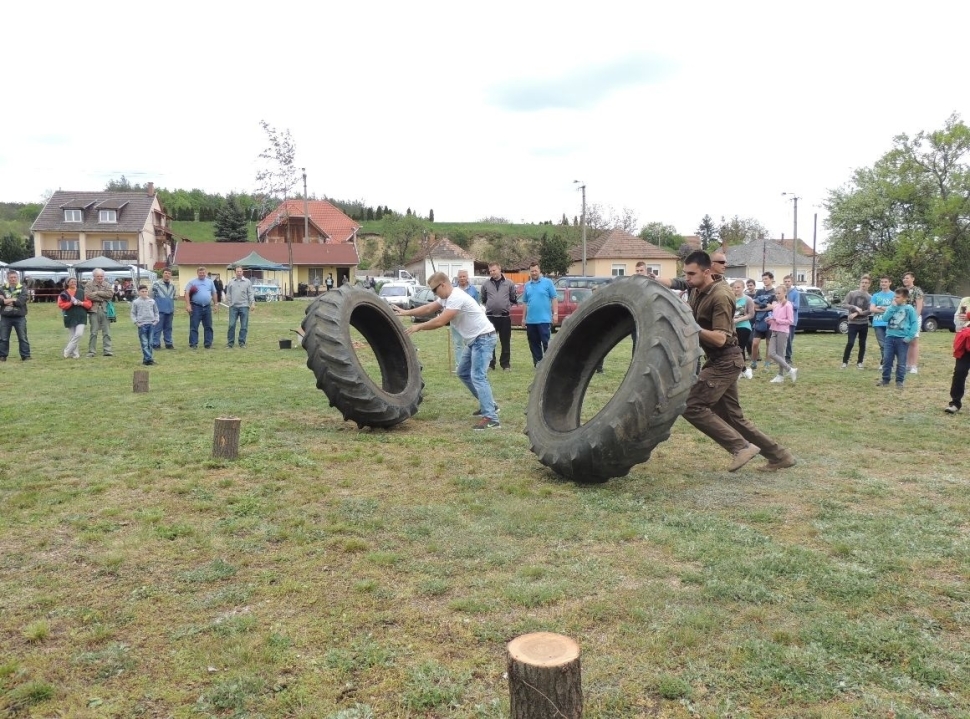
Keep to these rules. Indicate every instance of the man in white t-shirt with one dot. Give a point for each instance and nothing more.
(468, 318)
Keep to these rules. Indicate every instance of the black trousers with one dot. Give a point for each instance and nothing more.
(959, 384)
(862, 332)
(502, 325)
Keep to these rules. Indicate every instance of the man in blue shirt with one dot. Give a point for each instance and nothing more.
(877, 306)
(200, 298)
(541, 311)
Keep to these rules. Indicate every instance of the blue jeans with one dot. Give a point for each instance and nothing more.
(880, 331)
(145, 333)
(473, 371)
(243, 314)
(894, 348)
(538, 335)
(203, 314)
(18, 325)
(163, 330)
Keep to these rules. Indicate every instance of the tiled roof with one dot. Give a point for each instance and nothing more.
(445, 249)
(756, 252)
(324, 216)
(620, 244)
(223, 254)
(135, 210)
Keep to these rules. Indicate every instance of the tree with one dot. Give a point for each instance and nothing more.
(910, 211)
(278, 175)
(600, 218)
(707, 232)
(554, 256)
(401, 238)
(740, 230)
(13, 247)
(231, 222)
(662, 235)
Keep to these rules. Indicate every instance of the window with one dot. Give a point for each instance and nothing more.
(815, 301)
(72, 215)
(107, 215)
(618, 270)
(800, 277)
(68, 245)
(654, 270)
(114, 244)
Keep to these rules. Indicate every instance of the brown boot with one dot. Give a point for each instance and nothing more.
(743, 457)
(785, 461)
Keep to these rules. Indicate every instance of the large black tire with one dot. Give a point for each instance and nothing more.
(332, 358)
(649, 399)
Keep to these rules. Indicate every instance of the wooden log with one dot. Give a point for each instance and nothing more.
(545, 679)
(139, 383)
(225, 438)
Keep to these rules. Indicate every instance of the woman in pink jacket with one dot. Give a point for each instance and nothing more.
(780, 321)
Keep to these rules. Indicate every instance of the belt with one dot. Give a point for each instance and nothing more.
(485, 334)
(196, 304)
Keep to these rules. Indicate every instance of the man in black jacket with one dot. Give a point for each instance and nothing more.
(498, 295)
(13, 316)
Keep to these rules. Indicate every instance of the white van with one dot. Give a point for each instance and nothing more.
(398, 293)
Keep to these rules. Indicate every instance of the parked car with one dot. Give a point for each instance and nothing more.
(422, 296)
(938, 311)
(569, 300)
(811, 290)
(568, 281)
(816, 314)
(398, 293)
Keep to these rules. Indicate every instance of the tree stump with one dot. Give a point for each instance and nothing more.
(545, 680)
(225, 438)
(139, 383)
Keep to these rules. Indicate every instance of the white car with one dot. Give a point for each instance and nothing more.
(398, 293)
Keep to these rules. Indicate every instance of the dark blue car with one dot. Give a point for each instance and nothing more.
(938, 312)
(816, 314)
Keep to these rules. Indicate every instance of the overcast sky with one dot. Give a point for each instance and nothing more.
(487, 109)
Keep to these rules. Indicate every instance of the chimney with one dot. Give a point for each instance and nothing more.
(150, 188)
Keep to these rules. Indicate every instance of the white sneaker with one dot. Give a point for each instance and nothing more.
(913, 370)
(747, 374)
(844, 365)
(793, 374)
(880, 368)
(777, 379)
(859, 366)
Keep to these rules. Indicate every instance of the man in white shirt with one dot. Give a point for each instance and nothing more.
(468, 317)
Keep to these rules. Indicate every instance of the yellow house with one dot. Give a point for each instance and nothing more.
(130, 227)
(616, 252)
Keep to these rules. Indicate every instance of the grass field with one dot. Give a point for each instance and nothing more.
(332, 572)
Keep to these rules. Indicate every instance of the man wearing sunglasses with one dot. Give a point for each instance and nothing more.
(468, 317)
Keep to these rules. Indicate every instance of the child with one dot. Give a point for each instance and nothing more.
(901, 327)
(780, 321)
(144, 313)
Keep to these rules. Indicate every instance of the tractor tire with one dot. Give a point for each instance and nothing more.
(333, 360)
(649, 399)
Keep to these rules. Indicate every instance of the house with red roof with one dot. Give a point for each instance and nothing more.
(328, 249)
(616, 252)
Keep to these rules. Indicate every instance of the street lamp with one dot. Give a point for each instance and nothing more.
(794, 239)
(582, 221)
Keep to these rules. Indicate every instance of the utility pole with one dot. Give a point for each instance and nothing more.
(814, 237)
(582, 221)
(306, 228)
(794, 239)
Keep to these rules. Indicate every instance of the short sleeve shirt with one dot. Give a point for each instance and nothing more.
(914, 294)
(204, 293)
(538, 296)
(470, 320)
(713, 309)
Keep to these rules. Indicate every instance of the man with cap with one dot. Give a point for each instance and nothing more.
(468, 317)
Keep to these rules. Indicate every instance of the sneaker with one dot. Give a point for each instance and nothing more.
(169, 347)
(793, 373)
(754, 365)
(228, 347)
(913, 370)
(478, 412)
(899, 386)
(506, 369)
(743, 457)
(486, 423)
(880, 368)
(844, 365)
(747, 374)
(880, 383)
(859, 366)
(784, 462)
(951, 408)
(89, 354)
(109, 354)
(777, 379)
